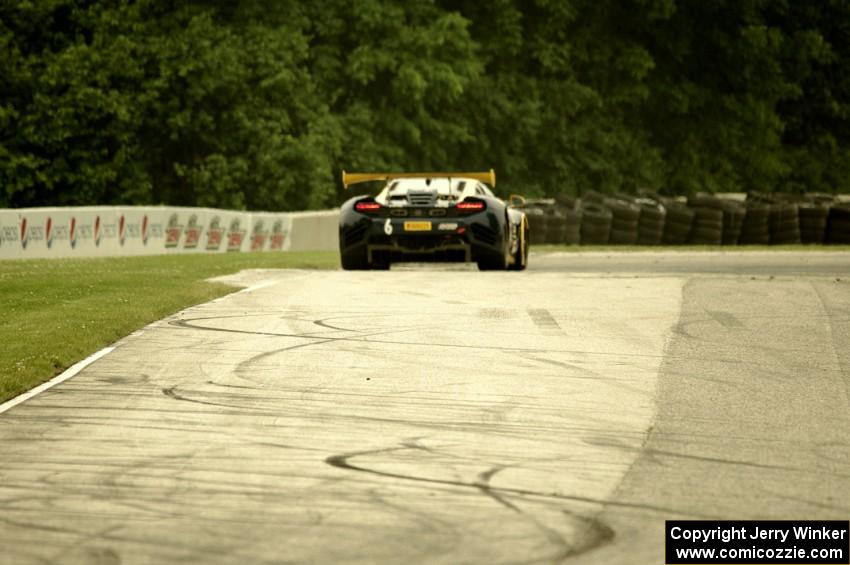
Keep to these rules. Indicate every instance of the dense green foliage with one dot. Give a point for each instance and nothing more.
(259, 104)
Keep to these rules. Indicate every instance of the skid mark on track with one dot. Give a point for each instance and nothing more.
(241, 369)
(553, 536)
(725, 319)
(171, 392)
(591, 532)
(544, 320)
(343, 461)
(496, 313)
(484, 486)
(95, 555)
(585, 373)
(834, 331)
(189, 324)
(660, 454)
(223, 385)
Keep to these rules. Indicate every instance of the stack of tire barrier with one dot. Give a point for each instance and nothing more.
(555, 225)
(678, 223)
(595, 223)
(756, 226)
(733, 221)
(651, 221)
(573, 217)
(708, 220)
(625, 216)
(537, 223)
(591, 196)
(784, 223)
(569, 210)
(813, 220)
(838, 226)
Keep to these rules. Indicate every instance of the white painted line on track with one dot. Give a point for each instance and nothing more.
(67, 374)
(77, 367)
(258, 286)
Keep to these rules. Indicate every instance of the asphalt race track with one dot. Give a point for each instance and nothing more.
(444, 415)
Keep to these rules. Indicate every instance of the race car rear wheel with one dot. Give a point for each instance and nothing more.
(356, 260)
(521, 255)
(491, 264)
(494, 262)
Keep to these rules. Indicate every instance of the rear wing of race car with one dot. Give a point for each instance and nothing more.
(354, 178)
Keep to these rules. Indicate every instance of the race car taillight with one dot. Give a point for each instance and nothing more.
(367, 206)
(470, 205)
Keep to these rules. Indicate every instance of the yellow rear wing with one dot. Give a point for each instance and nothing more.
(354, 178)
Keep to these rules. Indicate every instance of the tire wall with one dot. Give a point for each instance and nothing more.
(706, 219)
(838, 224)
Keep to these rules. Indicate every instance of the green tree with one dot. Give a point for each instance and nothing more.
(816, 136)
(395, 76)
(67, 116)
(255, 104)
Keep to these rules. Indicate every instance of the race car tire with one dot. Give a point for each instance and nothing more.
(521, 255)
(356, 260)
(493, 261)
(492, 264)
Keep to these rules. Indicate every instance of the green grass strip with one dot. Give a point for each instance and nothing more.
(58, 311)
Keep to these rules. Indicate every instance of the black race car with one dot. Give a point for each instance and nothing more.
(432, 217)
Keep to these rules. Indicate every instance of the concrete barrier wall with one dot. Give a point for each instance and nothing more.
(317, 230)
(108, 231)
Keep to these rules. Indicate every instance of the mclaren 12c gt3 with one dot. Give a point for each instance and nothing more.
(432, 217)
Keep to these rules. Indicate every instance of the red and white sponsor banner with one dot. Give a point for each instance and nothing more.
(104, 231)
